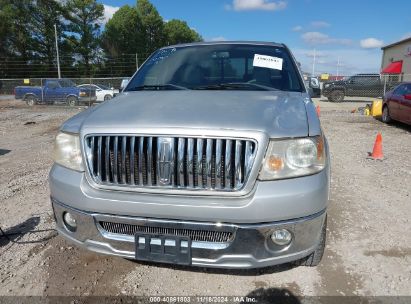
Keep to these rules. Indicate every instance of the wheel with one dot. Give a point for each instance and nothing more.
(386, 115)
(107, 97)
(336, 96)
(315, 258)
(30, 100)
(72, 101)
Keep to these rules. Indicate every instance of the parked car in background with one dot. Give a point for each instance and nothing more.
(103, 92)
(360, 85)
(55, 91)
(397, 104)
(212, 156)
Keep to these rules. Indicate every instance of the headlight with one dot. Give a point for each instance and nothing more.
(82, 94)
(293, 157)
(67, 151)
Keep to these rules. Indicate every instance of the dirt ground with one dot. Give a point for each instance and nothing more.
(368, 247)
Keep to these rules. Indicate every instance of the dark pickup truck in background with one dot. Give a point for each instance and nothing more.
(360, 85)
(55, 91)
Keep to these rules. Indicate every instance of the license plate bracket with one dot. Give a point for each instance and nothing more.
(163, 248)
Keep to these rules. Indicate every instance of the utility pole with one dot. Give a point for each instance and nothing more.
(57, 51)
(136, 61)
(338, 66)
(313, 74)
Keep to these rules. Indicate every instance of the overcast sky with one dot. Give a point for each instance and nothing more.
(351, 31)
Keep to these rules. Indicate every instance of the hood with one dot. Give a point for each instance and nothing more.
(278, 114)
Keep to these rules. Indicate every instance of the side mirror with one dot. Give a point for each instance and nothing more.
(407, 96)
(314, 83)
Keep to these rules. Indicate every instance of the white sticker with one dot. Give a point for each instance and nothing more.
(269, 62)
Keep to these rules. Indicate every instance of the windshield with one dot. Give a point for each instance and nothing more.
(218, 67)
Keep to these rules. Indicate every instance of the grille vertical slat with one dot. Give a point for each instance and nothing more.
(140, 161)
(199, 163)
(190, 160)
(227, 164)
(186, 162)
(91, 155)
(180, 162)
(132, 159)
(115, 160)
(237, 164)
(209, 151)
(107, 159)
(248, 158)
(99, 160)
(218, 182)
(123, 159)
(149, 158)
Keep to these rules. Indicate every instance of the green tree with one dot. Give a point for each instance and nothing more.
(153, 25)
(177, 31)
(123, 33)
(15, 17)
(85, 17)
(42, 20)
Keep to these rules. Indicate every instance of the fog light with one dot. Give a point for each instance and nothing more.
(69, 221)
(281, 237)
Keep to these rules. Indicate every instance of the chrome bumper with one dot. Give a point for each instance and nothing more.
(249, 247)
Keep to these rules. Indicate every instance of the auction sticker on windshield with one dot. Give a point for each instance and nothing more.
(264, 61)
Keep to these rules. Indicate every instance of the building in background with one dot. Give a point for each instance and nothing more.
(396, 60)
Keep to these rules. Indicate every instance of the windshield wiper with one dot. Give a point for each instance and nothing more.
(158, 87)
(235, 85)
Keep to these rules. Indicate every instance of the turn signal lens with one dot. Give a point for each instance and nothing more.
(320, 147)
(275, 163)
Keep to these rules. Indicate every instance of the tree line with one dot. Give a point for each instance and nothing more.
(87, 48)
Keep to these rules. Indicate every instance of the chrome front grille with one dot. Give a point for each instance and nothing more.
(195, 235)
(170, 162)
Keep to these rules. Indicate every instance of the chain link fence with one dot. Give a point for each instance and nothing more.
(333, 88)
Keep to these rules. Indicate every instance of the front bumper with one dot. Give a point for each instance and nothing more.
(249, 247)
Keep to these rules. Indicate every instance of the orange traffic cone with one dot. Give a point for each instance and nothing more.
(318, 111)
(377, 151)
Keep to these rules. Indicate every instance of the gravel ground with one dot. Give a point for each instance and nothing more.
(368, 248)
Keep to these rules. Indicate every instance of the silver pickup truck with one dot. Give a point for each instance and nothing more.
(212, 156)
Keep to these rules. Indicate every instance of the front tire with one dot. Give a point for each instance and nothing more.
(30, 101)
(72, 101)
(107, 97)
(386, 118)
(315, 258)
(336, 96)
